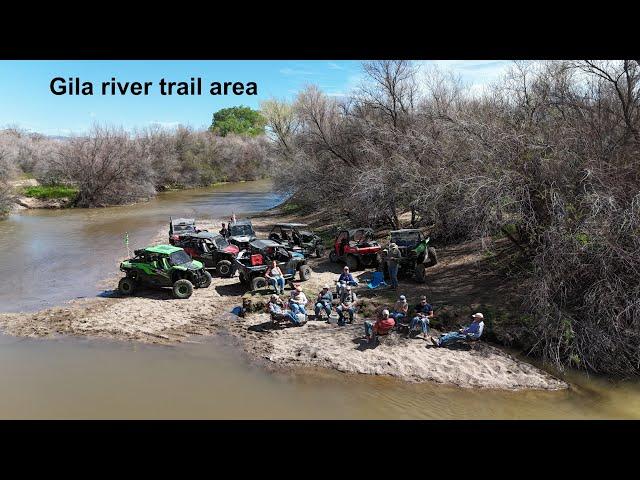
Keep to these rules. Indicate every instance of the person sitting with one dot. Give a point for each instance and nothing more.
(224, 231)
(297, 301)
(275, 277)
(382, 326)
(472, 332)
(347, 305)
(400, 308)
(423, 313)
(324, 302)
(345, 278)
(279, 313)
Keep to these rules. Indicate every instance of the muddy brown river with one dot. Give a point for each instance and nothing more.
(55, 256)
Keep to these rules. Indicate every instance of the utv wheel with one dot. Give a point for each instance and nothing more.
(367, 260)
(126, 286)
(305, 272)
(421, 276)
(258, 283)
(182, 289)
(223, 268)
(206, 283)
(319, 251)
(433, 257)
(333, 256)
(352, 262)
(243, 279)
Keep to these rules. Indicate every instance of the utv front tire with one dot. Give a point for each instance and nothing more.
(433, 257)
(258, 283)
(206, 283)
(305, 272)
(421, 276)
(126, 286)
(224, 269)
(352, 263)
(333, 256)
(182, 289)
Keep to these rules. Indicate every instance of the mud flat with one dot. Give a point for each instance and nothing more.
(155, 317)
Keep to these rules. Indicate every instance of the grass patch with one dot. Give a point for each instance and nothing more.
(47, 192)
(291, 207)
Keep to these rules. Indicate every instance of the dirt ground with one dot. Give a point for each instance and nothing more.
(155, 317)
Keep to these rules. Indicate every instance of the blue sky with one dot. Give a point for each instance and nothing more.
(26, 101)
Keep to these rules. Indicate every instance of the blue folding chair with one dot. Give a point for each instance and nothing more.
(377, 280)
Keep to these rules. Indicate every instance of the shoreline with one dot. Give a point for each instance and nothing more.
(155, 317)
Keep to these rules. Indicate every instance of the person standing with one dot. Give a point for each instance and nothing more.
(393, 260)
(224, 231)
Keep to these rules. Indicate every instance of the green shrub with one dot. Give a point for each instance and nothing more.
(46, 192)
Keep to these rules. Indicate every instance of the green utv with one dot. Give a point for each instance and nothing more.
(163, 266)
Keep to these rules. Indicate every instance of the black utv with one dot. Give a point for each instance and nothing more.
(241, 232)
(294, 236)
(211, 249)
(253, 262)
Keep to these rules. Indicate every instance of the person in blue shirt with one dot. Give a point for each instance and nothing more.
(423, 313)
(345, 279)
(473, 331)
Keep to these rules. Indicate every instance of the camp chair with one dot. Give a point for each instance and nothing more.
(377, 280)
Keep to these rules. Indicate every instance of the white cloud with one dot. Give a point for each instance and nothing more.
(335, 66)
(295, 71)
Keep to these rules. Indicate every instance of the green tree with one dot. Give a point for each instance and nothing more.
(240, 120)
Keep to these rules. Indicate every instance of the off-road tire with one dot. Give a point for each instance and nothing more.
(352, 263)
(224, 269)
(368, 261)
(333, 256)
(319, 251)
(243, 278)
(126, 286)
(182, 289)
(305, 272)
(420, 273)
(207, 280)
(258, 283)
(432, 258)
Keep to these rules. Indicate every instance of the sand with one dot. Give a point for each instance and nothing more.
(155, 317)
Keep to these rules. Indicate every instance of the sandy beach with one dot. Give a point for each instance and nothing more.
(155, 317)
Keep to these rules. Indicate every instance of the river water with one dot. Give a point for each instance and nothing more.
(54, 256)
(50, 256)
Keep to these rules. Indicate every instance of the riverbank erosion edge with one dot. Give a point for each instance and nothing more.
(156, 317)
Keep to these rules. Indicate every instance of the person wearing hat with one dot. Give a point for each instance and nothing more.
(279, 313)
(393, 259)
(345, 278)
(473, 331)
(423, 313)
(298, 301)
(400, 308)
(224, 231)
(347, 305)
(381, 327)
(324, 302)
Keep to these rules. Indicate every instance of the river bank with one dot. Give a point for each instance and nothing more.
(155, 317)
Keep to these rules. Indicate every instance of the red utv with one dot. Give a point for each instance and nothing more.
(356, 248)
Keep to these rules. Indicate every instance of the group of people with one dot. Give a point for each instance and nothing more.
(296, 312)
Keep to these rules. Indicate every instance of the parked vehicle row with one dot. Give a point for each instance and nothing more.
(193, 254)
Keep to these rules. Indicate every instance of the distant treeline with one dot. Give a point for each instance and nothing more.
(549, 158)
(111, 166)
